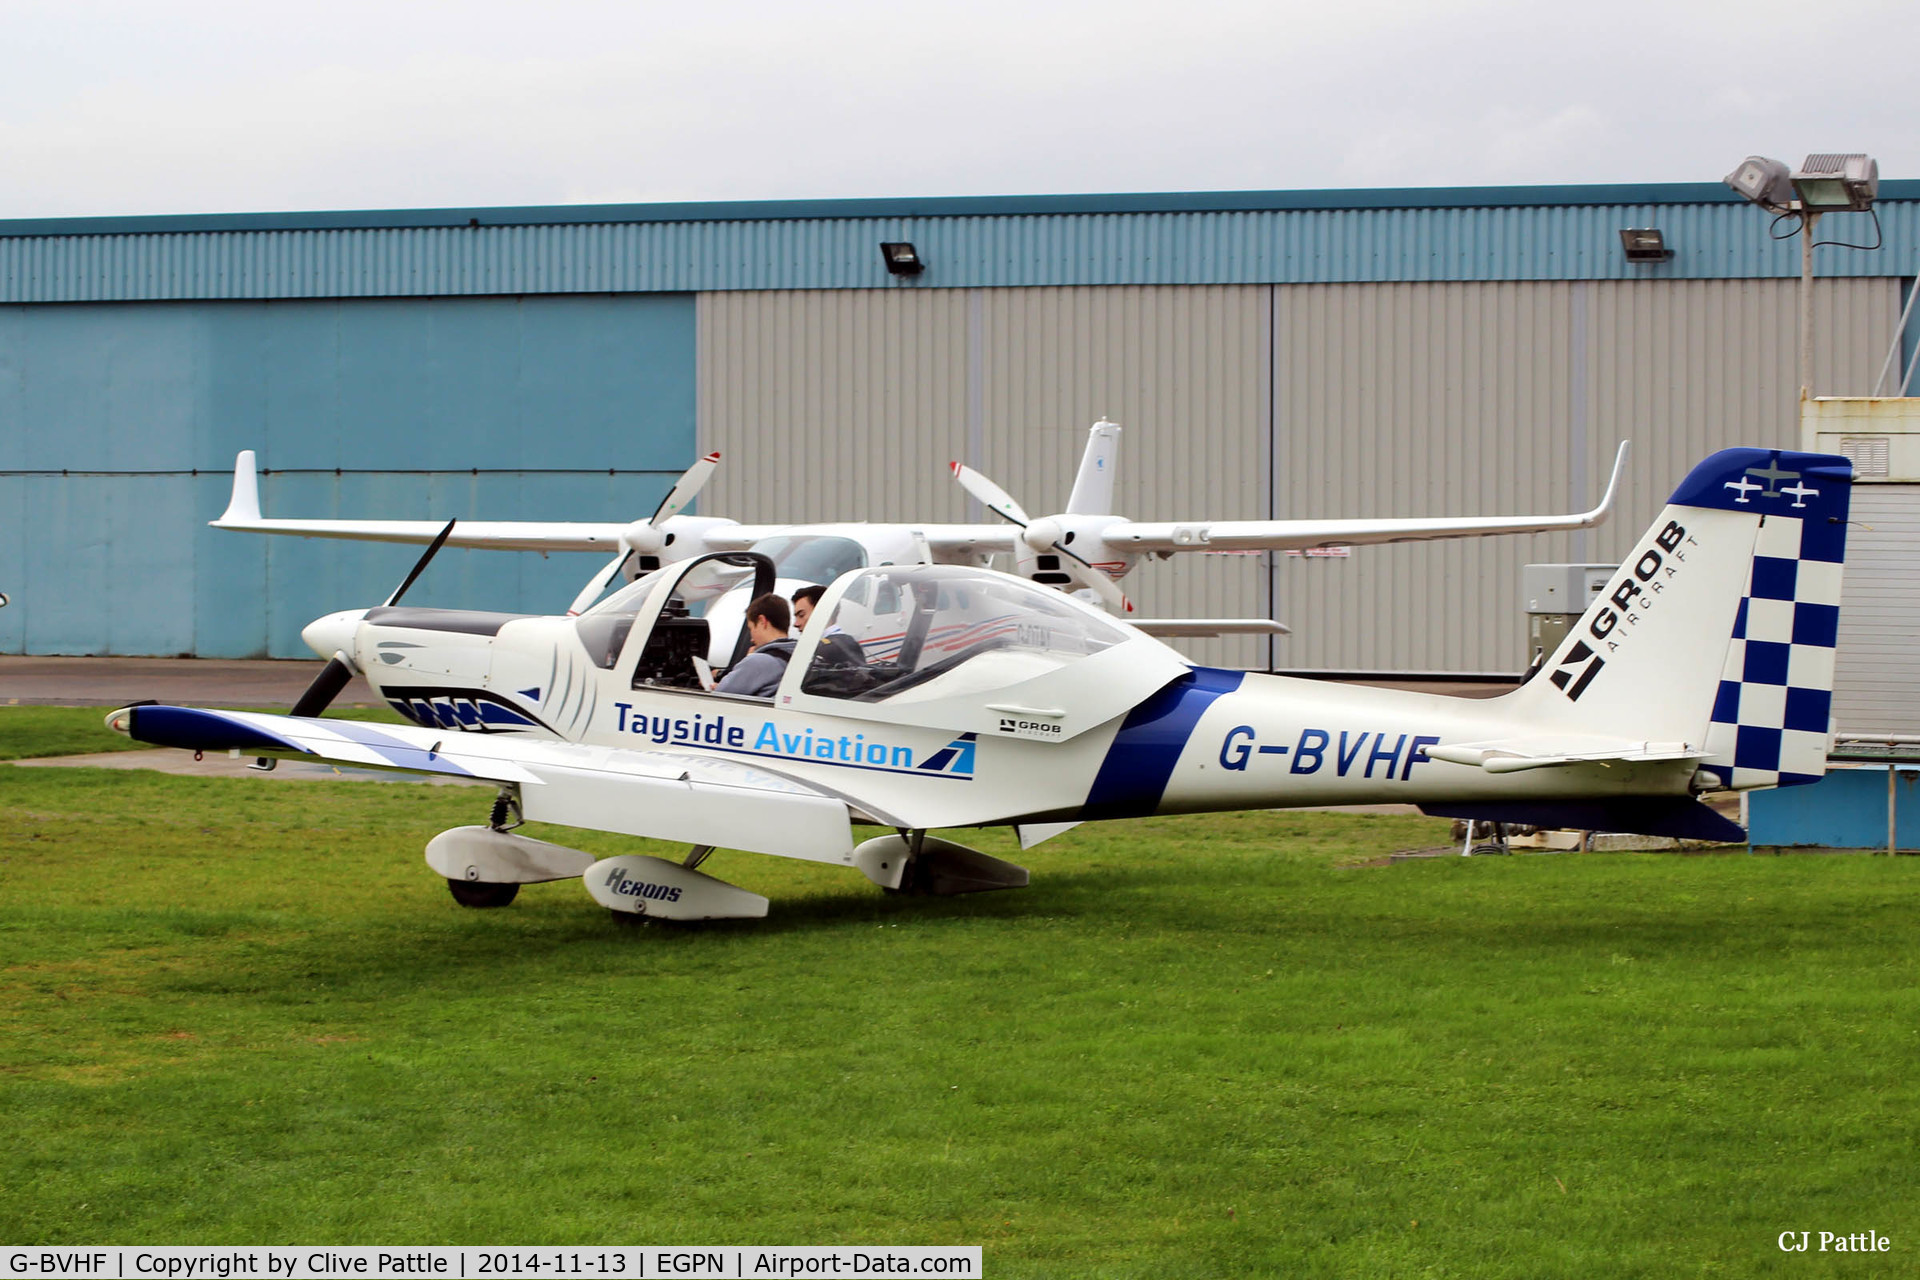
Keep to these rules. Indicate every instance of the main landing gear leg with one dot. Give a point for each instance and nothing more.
(506, 805)
(489, 893)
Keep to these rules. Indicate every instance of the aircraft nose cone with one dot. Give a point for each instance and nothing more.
(333, 633)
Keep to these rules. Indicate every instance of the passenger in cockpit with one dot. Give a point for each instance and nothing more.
(758, 674)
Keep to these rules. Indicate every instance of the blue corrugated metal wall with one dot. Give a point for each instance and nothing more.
(119, 424)
(1710, 242)
(1231, 238)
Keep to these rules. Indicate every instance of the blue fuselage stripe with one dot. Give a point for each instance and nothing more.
(1133, 777)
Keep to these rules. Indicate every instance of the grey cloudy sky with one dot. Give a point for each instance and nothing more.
(202, 105)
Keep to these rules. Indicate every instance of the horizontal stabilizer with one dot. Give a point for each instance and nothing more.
(1679, 817)
(1519, 754)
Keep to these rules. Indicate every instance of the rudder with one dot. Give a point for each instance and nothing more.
(1719, 629)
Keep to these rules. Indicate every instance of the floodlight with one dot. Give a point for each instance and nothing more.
(1644, 244)
(1833, 182)
(902, 258)
(1763, 181)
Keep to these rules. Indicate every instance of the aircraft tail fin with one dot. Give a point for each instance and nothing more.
(1093, 484)
(243, 507)
(1718, 631)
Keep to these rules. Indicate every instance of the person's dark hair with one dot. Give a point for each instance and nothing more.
(773, 607)
(811, 594)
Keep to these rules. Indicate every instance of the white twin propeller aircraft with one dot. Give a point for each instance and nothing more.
(977, 698)
(1084, 548)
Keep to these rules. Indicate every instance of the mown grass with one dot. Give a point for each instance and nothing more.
(29, 733)
(244, 1011)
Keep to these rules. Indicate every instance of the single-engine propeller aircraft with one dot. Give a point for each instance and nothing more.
(1084, 548)
(979, 698)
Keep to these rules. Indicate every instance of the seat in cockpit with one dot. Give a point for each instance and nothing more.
(672, 645)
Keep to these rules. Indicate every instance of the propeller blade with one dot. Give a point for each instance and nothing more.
(685, 489)
(339, 669)
(325, 687)
(420, 565)
(597, 584)
(991, 495)
(1095, 580)
(1081, 570)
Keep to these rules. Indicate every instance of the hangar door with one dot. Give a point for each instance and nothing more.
(119, 423)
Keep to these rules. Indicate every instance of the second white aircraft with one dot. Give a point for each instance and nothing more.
(1086, 547)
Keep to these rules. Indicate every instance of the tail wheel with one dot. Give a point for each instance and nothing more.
(482, 893)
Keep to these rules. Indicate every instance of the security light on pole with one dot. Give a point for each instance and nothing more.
(1833, 183)
(1765, 182)
(1825, 182)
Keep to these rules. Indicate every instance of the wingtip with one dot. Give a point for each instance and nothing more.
(243, 504)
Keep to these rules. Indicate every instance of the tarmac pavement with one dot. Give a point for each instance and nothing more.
(197, 682)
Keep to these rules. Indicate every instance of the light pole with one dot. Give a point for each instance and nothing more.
(1825, 182)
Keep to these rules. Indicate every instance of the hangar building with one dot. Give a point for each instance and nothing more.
(1434, 351)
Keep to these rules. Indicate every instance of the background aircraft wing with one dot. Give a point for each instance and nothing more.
(243, 514)
(942, 539)
(966, 539)
(685, 797)
(1134, 537)
(502, 535)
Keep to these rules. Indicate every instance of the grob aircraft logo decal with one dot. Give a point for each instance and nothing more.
(1631, 599)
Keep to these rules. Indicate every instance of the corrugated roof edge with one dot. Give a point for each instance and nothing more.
(909, 207)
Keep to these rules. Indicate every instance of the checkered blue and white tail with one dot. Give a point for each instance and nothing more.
(1719, 629)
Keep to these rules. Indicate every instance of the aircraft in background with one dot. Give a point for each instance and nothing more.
(980, 698)
(1083, 548)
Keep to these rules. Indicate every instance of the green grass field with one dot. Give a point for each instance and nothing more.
(245, 1011)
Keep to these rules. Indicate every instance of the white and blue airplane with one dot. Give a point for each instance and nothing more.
(1085, 548)
(982, 699)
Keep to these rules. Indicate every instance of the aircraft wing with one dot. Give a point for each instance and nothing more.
(1134, 537)
(665, 795)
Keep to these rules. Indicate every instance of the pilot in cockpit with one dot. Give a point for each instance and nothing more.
(758, 674)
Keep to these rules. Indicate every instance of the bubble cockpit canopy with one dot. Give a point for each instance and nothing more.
(812, 557)
(918, 632)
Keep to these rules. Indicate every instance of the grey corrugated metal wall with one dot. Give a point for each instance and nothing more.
(1483, 398)
(1244, 401)
(1876, 686)
(830, 405)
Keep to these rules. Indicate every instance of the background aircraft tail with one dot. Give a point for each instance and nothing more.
(1093, 484)
(1719, 629)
